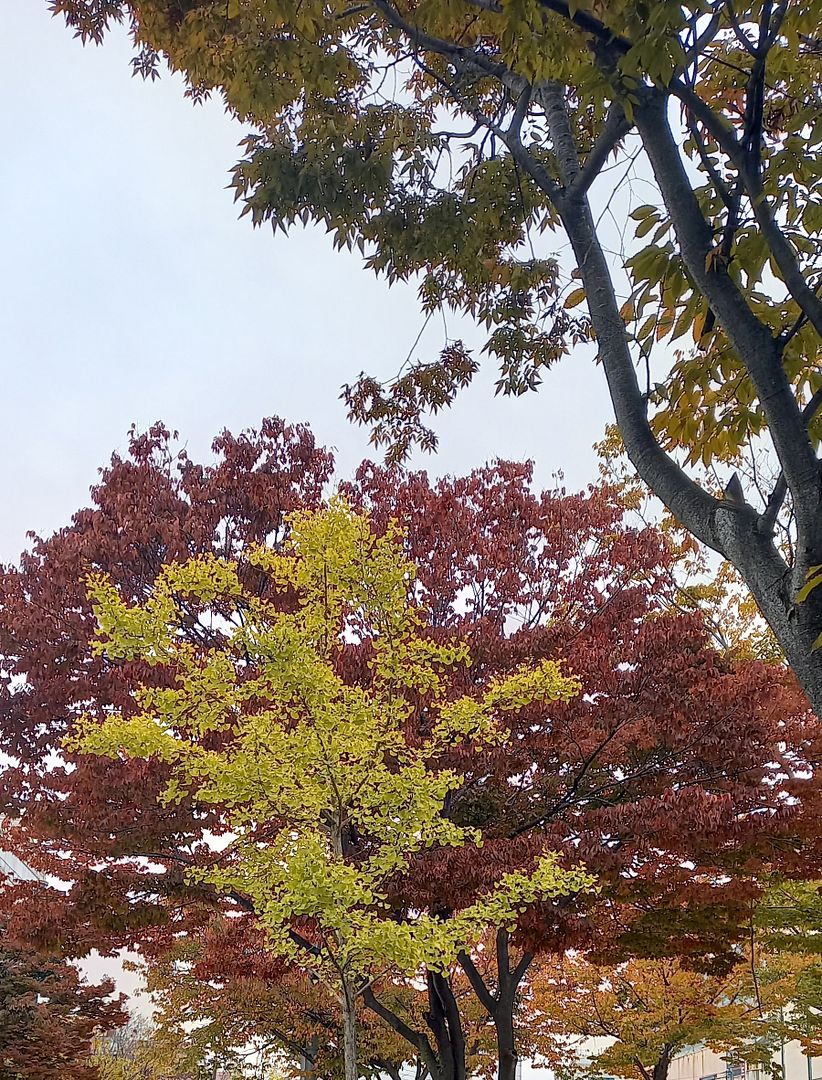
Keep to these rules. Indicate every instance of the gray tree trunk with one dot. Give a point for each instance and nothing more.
(349, 1016)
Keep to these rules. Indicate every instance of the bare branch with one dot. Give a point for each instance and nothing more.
(614, 130)
(551, 96)
(739, 33)
(484, 995)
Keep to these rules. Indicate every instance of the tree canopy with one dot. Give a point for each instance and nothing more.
(674, 770)
(447, 140)
(650, 1011)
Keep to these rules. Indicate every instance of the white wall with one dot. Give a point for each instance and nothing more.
(703, 1063)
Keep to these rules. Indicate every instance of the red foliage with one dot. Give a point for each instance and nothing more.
(49, 1017)
(151, 507)
(676, 772)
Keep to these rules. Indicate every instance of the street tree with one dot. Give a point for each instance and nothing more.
(49, 1015)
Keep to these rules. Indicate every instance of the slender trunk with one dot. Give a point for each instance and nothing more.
(500, 1007)
(349, 1017)
(444, 1022)
(508, 980)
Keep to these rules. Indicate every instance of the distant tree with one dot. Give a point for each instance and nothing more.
(49, 1016)
(141, 1050)
(224, 990)
(789, 921)
(651, 1010)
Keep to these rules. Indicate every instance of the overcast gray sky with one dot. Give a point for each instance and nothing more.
(130, 291)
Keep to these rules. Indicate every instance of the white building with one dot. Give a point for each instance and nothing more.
(703, 1064)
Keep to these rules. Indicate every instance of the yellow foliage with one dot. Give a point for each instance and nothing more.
(322, 793)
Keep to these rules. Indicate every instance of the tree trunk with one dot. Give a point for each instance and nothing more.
(773, 587)
(506, 1048)
(663, 1064)
(508, 981)
(444, 1021)
(735, 532)
(349, 1016)
(500, 1007)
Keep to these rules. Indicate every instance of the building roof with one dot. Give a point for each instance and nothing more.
(11, 866)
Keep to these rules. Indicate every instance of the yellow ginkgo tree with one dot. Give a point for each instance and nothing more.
(316, 732)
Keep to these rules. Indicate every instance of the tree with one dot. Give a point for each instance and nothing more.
(49, 1016)
(128, 1053)
(789, 921)
(650, 1010)
(355, 107)
(322, 793)
(675, 756)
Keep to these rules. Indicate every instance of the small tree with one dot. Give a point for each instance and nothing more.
(143, 1050)
(325, 793)
(222, 991)
(789, 920)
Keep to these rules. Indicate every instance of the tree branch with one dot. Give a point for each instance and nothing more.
(614, 130)
(503, 961)
(694, 507)
(784, 256)
(751, 339)
(812, 408)
(519, 971)
(450, 1009)
(417, 1039)
(739, 32)
(590, 24)
(722, 189)
(459, 53)
(484, 995)
(699, 44)
(551, 96)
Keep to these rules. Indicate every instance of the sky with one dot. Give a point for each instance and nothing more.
(131, 292)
